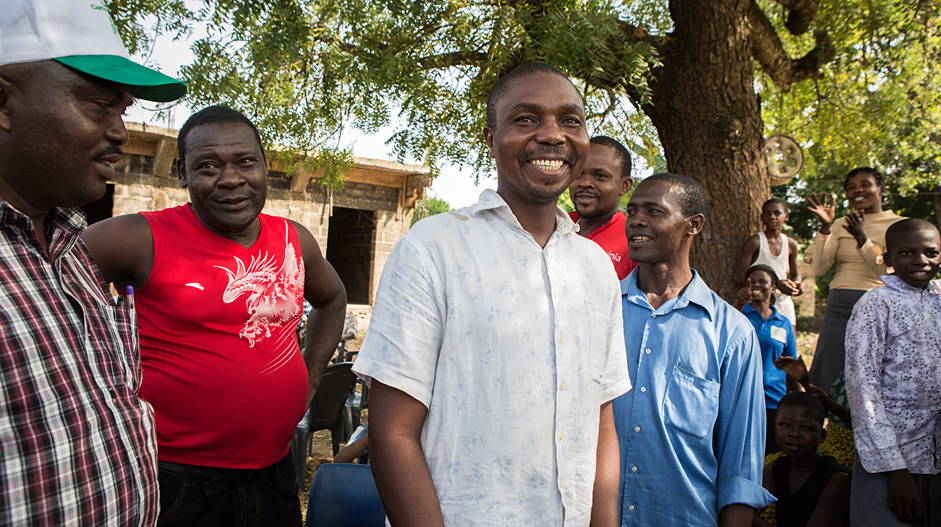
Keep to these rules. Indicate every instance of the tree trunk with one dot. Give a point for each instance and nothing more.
(709, 122)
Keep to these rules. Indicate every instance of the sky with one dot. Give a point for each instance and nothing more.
(453, 185)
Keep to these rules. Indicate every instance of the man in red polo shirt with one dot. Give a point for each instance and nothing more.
(596, 194)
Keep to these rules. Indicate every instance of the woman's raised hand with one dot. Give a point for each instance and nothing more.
(823, 208)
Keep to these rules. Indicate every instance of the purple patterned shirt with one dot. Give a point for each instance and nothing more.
(893, 376)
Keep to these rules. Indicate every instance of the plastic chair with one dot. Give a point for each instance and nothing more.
(344, 495)
(328, 411)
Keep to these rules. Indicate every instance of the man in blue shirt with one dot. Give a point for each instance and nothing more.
(691, 431)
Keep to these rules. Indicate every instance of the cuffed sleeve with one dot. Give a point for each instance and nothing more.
(745, 491)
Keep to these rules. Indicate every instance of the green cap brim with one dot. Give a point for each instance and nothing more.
(144, 82)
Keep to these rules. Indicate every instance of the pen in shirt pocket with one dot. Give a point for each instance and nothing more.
(130, 297)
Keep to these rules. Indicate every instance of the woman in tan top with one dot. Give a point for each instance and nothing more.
(855, 243)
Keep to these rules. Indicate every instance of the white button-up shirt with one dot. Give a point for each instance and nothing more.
(513, 348)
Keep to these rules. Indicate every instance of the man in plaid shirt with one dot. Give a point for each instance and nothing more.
(77, 446)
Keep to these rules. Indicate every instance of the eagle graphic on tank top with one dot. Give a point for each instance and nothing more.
(273, 293)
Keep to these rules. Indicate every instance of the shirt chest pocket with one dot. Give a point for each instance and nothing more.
(691, 403)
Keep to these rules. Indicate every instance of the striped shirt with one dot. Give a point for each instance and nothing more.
(77, 447)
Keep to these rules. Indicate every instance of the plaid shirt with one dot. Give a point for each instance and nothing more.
(77, 447)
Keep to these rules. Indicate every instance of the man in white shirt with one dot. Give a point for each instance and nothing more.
(496, 343)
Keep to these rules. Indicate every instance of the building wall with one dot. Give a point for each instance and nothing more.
(138, 189)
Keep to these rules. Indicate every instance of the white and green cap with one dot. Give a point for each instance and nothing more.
(81, 35)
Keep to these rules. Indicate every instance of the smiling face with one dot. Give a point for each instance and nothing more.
(62, 131)
(865, 193)
(915, 256)
(226, 176)
(597, 191)
(761, 285)
(657, 231)
(797, 431)
(539, 140)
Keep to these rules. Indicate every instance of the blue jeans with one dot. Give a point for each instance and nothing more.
(191, 495)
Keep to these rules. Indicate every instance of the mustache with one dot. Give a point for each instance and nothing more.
(556, 151)
(585, 193)
(108, 150)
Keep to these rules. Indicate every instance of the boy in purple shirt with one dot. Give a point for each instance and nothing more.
(893, 381)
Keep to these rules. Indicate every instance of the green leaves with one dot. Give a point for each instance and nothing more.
(307, 70)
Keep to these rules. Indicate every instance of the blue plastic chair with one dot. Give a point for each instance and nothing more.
(344, 495)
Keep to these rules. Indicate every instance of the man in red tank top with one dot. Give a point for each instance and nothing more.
(596, 194)
(218, 288)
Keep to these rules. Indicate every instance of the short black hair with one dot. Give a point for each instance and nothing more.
(689, 192)
(777, 201)
(623, 154)
(212, 115)
(880, 181)
(500, 87)
(766, 269)
(806, 401)
(906, 226)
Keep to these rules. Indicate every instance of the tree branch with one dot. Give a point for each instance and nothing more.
(768, 51)
(800, 14)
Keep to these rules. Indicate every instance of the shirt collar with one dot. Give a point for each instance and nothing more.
(895, 283)
(70, 220)
(774, 311)
(490, 200)
(696, 292)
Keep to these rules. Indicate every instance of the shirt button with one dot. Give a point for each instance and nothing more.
(637, 429)
(560, 484)
(561, 340)
(630, 507)
(647, 351)
(643, 388)
(555, 294)
(563, 387)
(633, 469)
(562, 436)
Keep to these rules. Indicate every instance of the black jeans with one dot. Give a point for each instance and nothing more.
(191, 495)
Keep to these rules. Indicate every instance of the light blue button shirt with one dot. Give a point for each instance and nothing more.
(692, 431)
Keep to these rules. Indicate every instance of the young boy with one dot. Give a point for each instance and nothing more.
(893, 382)
(777, 251)
(812, 490)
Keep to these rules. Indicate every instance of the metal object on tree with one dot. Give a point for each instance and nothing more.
(785, 158)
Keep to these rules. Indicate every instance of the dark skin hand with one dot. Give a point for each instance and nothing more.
(904, 498)
(854, 226)
(736, 515)
(824, 209)
(796, 370)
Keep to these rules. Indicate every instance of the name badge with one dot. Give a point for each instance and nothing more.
(779, 334)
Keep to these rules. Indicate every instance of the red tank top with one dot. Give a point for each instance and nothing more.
(220, 360)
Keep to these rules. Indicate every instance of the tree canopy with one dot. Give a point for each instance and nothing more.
(672, 77)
